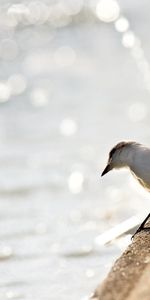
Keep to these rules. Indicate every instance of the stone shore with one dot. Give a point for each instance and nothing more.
(129, 278)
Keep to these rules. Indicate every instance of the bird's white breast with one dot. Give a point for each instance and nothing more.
(140, 167)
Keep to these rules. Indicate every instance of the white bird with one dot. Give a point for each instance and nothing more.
(134, 156)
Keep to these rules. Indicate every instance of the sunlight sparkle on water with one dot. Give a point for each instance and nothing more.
(14, 295)
(11, 19)
(4, 92)
(107, 10)
(5, 252)
(68, 127)
(137, 53)
(75, 182)
(128, 39)
(17, 83)
(72, 7)
(90, 273)
(38, 12)
(39, 97)
(18, 11)
(122, 24)
(58, 17)
(137, 111)
(115, 194)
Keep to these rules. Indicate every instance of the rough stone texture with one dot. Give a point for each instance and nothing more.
(129, 278)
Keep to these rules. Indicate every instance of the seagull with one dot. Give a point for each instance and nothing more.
(135, 157)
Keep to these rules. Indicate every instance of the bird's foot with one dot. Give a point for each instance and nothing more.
(137, 231)
(141, 227)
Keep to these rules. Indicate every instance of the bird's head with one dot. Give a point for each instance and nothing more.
(119, 156)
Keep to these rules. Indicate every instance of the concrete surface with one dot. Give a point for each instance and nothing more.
(129, 278)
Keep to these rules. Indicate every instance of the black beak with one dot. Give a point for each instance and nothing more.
(106, 170)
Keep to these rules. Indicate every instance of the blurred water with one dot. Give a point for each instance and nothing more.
(69, 90)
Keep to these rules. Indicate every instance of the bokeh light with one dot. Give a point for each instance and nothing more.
(68, 127)
(39, 97)
(138, 53)
(72, 7)
(107, 10)
(5, 252)
(18, 13)
(13, 294)
(5, 91)
(137, 111)
(90, 273)
(57, 16)
(128, 39)
(17, 84)
(38, 12)
(75, 182)
(122, 24)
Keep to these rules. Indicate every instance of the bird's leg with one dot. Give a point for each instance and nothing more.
(141, 226)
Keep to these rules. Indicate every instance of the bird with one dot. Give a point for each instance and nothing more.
(135, 157)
